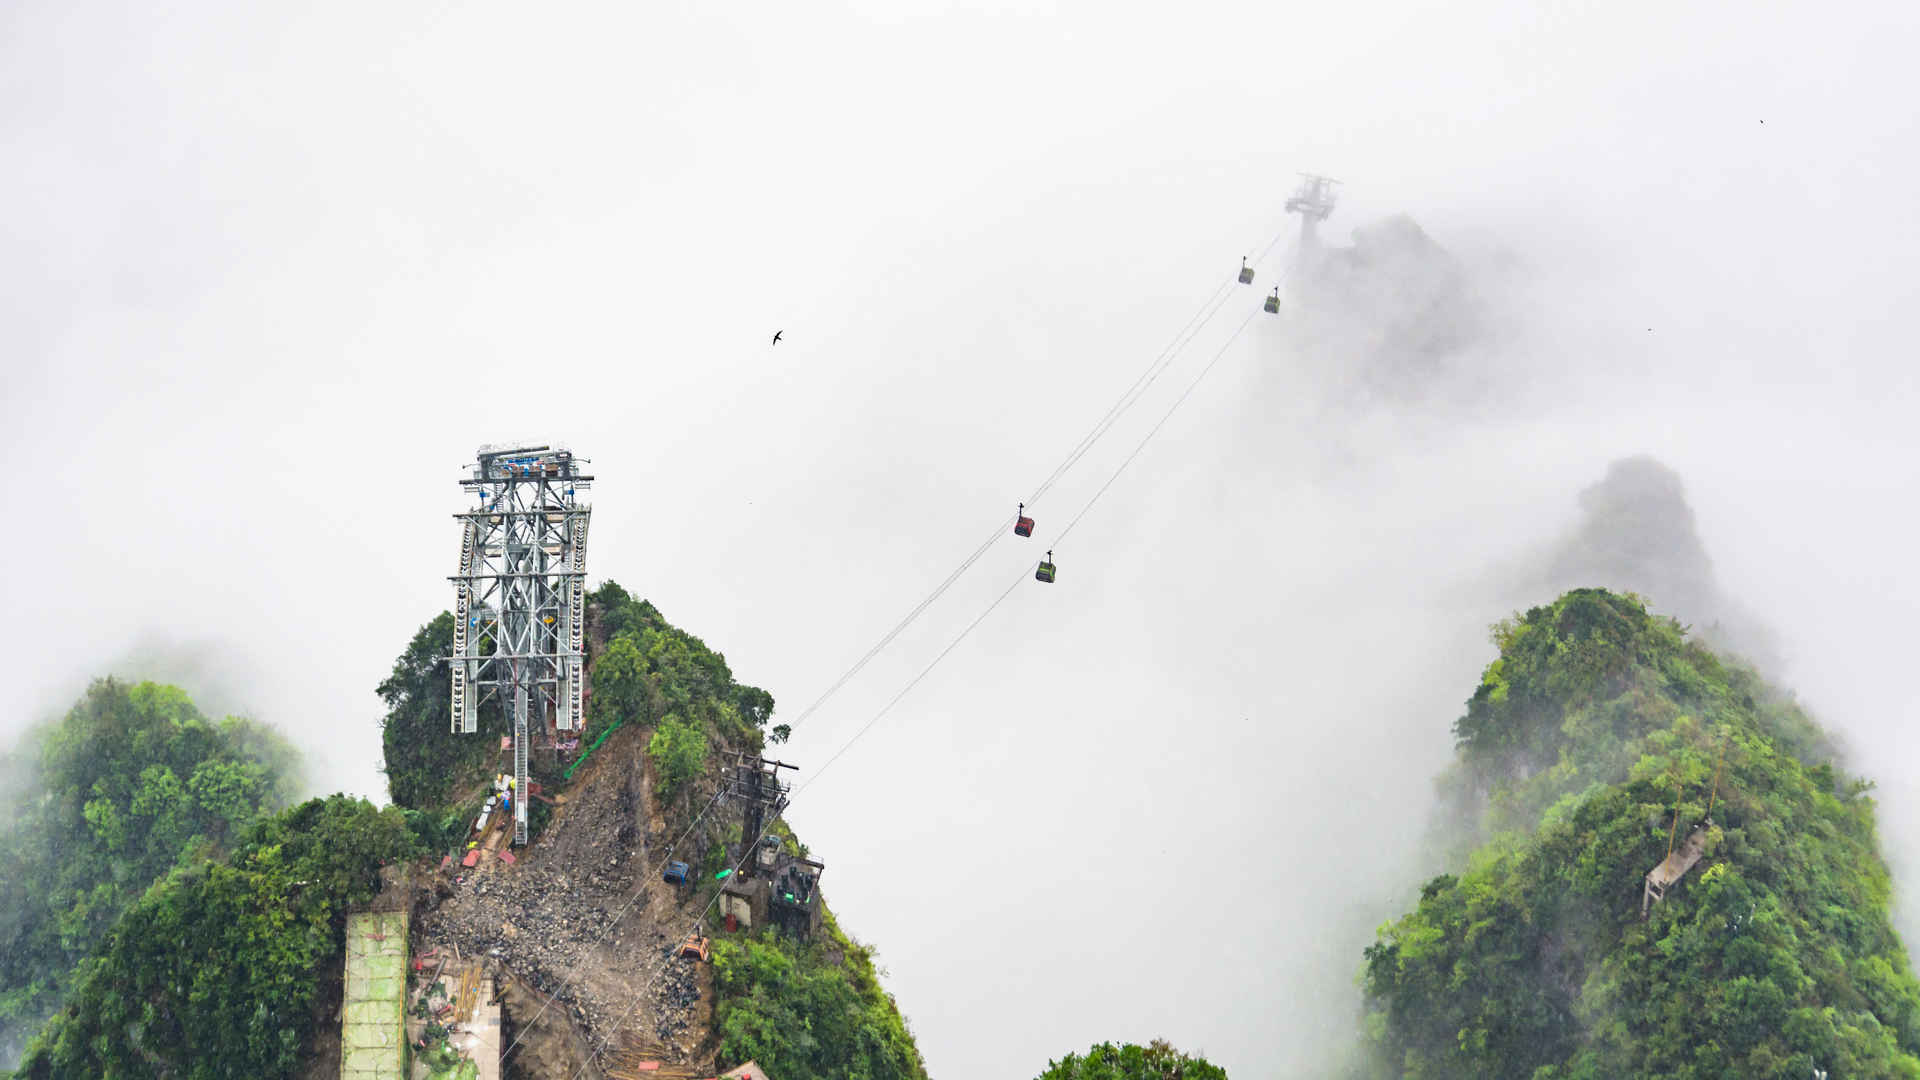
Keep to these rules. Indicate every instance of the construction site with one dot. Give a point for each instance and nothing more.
(571, 959)
(573, 941)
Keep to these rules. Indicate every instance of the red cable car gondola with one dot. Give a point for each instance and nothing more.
(1023, 525)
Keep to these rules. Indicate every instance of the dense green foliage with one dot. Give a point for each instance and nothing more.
(130, 783)
(645, 673)
(1597, 734)
(803, 1011)
(812, 1011)
(1156, 1061)
(649, 670)
(427, 765)
(216, 971)
(679, 752)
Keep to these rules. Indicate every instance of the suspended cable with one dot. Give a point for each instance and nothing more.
(1188, 331)
(1161, 362)
(1080, 450)
(904, 622)
(1155, 430)
(1194, 325)
(750, 847)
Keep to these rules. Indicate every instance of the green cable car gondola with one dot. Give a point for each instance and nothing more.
(1273, 302)
(1045, 572)
(1246, 272)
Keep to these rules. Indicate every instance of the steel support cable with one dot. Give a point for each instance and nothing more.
(943, 653)
(1188, 331)
(1154, 370)
(615, 921)
(906, 621)
(1134, 393)
(1196, 322)
(1113, 414)
(748, 849)
(1155, 430)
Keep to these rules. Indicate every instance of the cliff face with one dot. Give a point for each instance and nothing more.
(1599, 740)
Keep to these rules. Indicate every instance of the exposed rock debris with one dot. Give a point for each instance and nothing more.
(579, 923)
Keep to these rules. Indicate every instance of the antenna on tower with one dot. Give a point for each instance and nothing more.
(519, 606)
(1313, 200)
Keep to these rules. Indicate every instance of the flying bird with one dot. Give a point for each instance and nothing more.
(776, 336)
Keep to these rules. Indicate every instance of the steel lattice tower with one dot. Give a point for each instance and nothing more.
(1313, 200)
(520, 598)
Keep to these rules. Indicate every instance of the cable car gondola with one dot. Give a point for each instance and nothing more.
(1246, 272)
(1023, 525)
(1273, 302)
(1045, 572)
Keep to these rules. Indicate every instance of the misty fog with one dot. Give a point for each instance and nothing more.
(1629, 304)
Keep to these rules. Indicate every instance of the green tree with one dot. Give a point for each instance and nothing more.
(217, 969)
(428, 766)
(620, 686)
(679, 752)
(1156, 1061)
(809, 1011)
(132, 782)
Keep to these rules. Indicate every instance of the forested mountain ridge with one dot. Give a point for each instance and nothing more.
(208, 929)
(1598, 736)
(130, 783)
(666, 711)
(225, 968)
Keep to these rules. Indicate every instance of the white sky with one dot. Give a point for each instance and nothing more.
(267, 278)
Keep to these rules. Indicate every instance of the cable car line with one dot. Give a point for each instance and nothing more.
(1155, 430)
(1188, 331)
(1141, 384)
(748, 848)
(901, 626)
(1194, 324)
(1147, 377)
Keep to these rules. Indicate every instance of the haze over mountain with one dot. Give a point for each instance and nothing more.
(270, 278)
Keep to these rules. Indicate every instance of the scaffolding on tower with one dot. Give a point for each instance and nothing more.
(519, 612)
